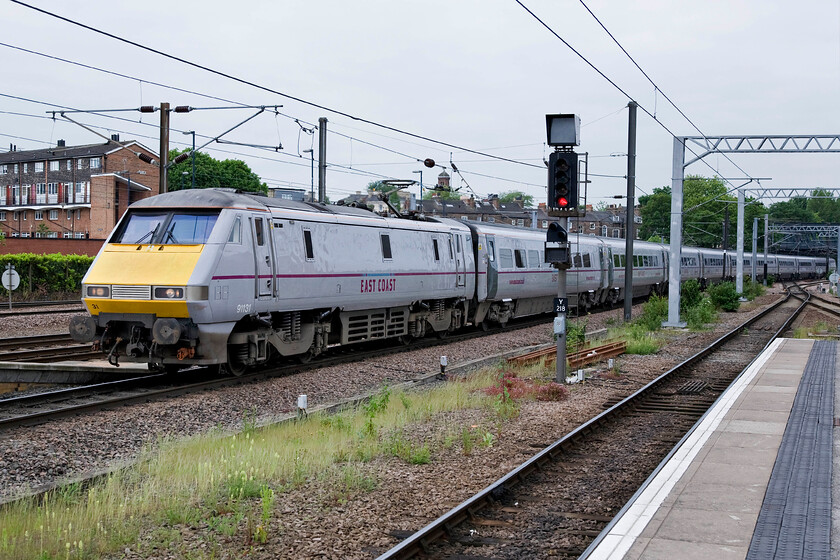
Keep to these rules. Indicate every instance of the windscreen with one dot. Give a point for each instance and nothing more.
(166, 228)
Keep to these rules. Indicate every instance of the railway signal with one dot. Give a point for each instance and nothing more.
(563, 181)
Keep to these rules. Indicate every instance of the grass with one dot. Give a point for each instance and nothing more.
(231, 483)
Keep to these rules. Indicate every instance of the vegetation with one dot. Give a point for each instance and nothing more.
(43, 276)
(229, 485)
(380, 187)
(440, 192)
(526, 200)
(213, 173)
(724, 296)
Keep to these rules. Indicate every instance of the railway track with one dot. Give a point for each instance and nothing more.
(558, 501)
(51, 405)
(44, 348)
(77, 308)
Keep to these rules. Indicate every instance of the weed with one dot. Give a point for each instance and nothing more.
(249, 422)
(406, 402)
(488, 439)
(576, 334)
(267, 503)
(654, 312)
(467, 441)
(552, 392)
(643, 345)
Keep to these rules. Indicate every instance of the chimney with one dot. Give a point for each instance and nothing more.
(471, 202)
(61, 144)
(115, 137)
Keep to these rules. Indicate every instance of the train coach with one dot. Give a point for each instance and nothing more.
(231, 280)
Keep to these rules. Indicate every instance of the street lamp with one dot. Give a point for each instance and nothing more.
(192, 155)
(182, 178)
(311, 174)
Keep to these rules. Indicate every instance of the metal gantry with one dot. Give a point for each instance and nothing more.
(739, 144)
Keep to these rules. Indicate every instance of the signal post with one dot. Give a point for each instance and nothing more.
(563, 132)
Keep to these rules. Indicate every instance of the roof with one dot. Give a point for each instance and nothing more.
(65, 152)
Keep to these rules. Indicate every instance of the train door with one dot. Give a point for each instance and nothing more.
(263, 263)
(492, 268)
(609, 272)
(460, 278)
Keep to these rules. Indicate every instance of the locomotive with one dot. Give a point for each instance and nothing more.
(226, 279)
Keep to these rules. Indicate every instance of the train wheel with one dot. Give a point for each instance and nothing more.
(306, 357)
(484, 326)
(441, 334)
(406, 339)
(236, 370)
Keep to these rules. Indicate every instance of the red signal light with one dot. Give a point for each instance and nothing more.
(562, 202)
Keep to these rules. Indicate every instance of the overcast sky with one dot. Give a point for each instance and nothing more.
(476, 74)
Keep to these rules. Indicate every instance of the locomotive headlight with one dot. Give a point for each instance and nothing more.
(169, 292)
(98, 291)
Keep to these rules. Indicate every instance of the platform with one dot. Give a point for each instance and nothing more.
(753, 478)
(68, 373)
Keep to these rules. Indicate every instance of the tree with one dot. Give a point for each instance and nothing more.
(705, 202)
(213, 173)
(655, 209)
(827, 209)
(380, 187)
(445, 194)
(793, 210)
(600, 206)
(527, 200)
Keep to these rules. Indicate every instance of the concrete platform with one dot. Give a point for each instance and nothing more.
(714, 499)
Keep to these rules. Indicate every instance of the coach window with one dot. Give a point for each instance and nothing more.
(307, 245)
(534, 259)
(578, 261)
(437, 252)
(587, 260)
(258, 227)
(385, 241)
(505, 258)
(491, 250)
(236, 231)
(520, 258)
(451, 255)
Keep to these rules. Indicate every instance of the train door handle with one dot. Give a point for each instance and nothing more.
(267, 260)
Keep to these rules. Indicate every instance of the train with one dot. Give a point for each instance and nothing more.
(231, 280)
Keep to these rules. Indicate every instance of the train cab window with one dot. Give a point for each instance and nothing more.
(236, 231)
(307, 245)
(258, 228)
(451, 255)
(457, 243)
(534, 259)
(587, 260)
(437, 252)
(385, 240)
(166, 228)
(520, 258)
(505, 258)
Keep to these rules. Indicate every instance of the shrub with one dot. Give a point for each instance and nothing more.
(752, 289)
(724, 296)
(654, 312)
(43, 275)
(701, 314)
(552, 392)
(690, 294)
(576, 334)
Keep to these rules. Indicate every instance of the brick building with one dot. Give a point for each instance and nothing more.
(70, 192)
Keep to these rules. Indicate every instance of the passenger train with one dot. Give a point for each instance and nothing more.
(221, 278)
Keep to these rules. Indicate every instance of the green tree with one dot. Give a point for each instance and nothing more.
(793, 210)
(527, 200)
(655, 209)
(827, 209)
(380, 187)
(446, 194)
(213, 173)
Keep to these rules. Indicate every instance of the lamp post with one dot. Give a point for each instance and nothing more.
(421, 187)
(182, 178)
(192, 155)
(311, 174)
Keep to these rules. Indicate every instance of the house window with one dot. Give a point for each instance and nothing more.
(78, 164)
(78, 214)
(491, 219)
(39, 215)
(23, 215)
(69, 214)
(67, 235)
(545, 224)
(4, 169)
(616, 232)
(16, 168)
(15, 216)
(52, 188)
(79, 235)
(2, 216)
(25, 234)
(26, 168)
(52, 234)
(41, 188)
(591, 225)
(39, 167)
(15, 234)
(520, 222)
(54, 165)
(53, 215)
(69, 165)
(94, 163)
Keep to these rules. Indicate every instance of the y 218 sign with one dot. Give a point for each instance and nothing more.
(561, 304)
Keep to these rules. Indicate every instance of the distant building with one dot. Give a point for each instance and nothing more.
(70, 193)
(298, 195)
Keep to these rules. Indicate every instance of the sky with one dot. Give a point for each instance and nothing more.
(477, 75)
